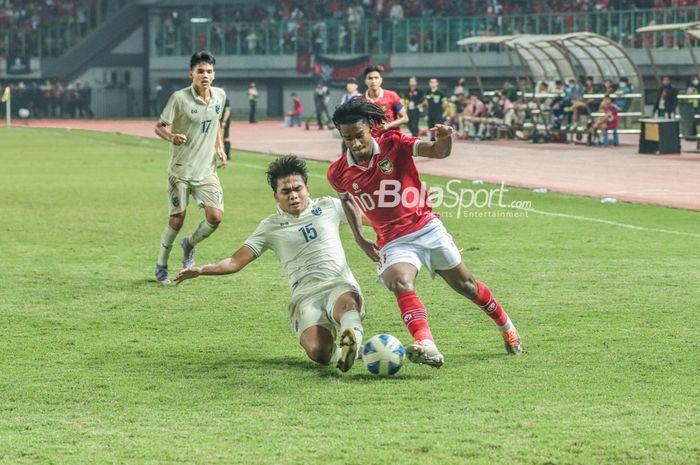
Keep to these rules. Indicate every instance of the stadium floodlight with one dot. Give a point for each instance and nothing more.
(200, 20)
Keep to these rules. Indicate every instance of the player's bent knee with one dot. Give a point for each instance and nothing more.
(176, 221)
(215, 217)
(319, 353)
(348, 301)
(400, 285)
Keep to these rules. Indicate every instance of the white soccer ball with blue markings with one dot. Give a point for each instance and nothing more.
(383, 355)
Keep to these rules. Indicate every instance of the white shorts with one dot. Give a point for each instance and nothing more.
(316, 309)
(207, 193)
(431, 246)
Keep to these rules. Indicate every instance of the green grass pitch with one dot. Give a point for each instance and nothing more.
(98, 364)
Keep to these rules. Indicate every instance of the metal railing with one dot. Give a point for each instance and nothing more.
(53, 39)
(194, 29)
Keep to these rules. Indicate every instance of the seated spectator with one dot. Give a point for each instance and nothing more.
(472, 116)
(609, 120)
(510, 91)
(623, 89)
(558, 109)
(608, 87)
(490, 118)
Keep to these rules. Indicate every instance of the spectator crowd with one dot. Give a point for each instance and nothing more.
(543, 111)
(372, 26)
(48, 27)
(537, 112)
(51, 99)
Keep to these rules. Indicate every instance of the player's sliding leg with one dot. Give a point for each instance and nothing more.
(318, 343)
(346, 313)
(400, 278)
(213, 217)
(166, 244)
(462, 281)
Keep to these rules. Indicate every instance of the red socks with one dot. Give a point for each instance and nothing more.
(414, 316)
(485, 300)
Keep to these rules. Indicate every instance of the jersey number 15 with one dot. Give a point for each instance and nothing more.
(309, 232)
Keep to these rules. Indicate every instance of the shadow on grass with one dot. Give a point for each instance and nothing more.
(304, 367)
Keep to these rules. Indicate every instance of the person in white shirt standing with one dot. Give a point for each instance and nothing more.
(190, 122)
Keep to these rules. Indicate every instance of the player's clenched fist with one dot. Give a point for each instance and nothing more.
(441, 131)
(179, 139)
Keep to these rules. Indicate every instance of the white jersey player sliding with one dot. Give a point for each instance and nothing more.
(304, 235)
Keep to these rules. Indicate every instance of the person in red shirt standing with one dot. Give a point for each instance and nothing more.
(295, 113)
(387, 100)
(378, 177)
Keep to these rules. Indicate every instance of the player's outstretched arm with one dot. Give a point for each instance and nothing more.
(441, 147)
(355, 220)
(233, 264)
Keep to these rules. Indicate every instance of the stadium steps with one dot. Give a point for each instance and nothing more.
(100, 41)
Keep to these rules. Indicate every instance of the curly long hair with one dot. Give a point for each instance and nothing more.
(358, 109)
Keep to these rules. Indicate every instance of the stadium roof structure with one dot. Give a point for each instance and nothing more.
(690, 30)
(563, 56)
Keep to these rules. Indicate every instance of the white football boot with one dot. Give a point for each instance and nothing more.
(425, 352)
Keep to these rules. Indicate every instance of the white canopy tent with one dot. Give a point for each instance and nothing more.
(690, 30)
(563, 56)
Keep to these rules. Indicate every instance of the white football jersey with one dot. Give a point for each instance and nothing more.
(308, 245)
(189, 114)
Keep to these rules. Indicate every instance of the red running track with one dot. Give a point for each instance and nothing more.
(621, 172)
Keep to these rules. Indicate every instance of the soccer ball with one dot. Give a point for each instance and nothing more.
(383, 355)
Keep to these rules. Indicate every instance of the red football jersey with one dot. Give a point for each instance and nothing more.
(388, 101)
(386, 187)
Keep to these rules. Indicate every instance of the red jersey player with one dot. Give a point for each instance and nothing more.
(379, 177)
(387, 100)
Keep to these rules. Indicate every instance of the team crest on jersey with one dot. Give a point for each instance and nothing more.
(386, 166)
(176, 201)
(355, 186)
(384, 106)
(317, 211)
(217, 108)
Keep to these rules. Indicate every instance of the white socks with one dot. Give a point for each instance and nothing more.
(506, 326)
(351, 319)
(166, 244)
(203, 231)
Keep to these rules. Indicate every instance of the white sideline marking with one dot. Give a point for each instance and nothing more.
(611, 223)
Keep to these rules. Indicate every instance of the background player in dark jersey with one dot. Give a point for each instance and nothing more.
(414, 100)
(389, 101)
(378, 177)
(225, 126)
(435, 101)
